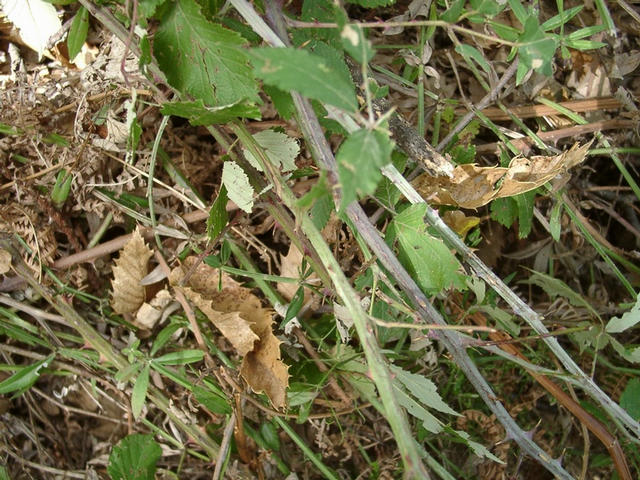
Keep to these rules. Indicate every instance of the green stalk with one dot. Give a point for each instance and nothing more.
(379, 372)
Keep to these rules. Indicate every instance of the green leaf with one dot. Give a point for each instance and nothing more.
(423, 389)
(295, 305)
(139, 393)
(555, 224)
(356, 44)
(239, 189)
(429, 421)
(306, 73)
(281, 149)
(147, 8)
(519, 11)
(270, 436)
(371, 3)
(360, 158)
(525, 203)
(427, 258)
(212, 401)
(200, 114)
(562, 18)
(452, 14)
(134, 458)
(164, 336)
(78, 32)
(201, 58)
(282, 101)
(62, 188)
(537, 49)
(218, 215)
(9, 130)
(22, 380)
(472, 52)
(630, 398)
(321, 211)
(586, 32)
(555, 287)
(181, 357)
(626, 321)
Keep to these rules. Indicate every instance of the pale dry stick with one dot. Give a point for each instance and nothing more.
(79, 411)
(225, 445)
(518, 305)
(533, 111)
(524, 144)
(34, 312)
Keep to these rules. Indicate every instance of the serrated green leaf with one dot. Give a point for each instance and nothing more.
(630, 398)
(239, 189)
(429, 421)
(626, 321)
(218, 215)
(203, 59)
(281, 149)
(22, 380)
(423, 389)
(200, 114)
(134, 458)
(555, 287)
(306, 73)
(139, 393)
(504, 211)
(479, 449)
(321, 211)
(360, 158)
(427, 258)
(356, 44)
(78, 32)
(525, 202)
(182, 357)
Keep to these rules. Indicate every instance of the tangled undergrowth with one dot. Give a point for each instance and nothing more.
(372, 240)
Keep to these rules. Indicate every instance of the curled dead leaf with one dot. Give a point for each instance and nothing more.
(472, 186)
(459, 222)
(130, 268)
(240, 317)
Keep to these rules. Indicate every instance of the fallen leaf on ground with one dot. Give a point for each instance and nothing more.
(472, 186)
(240, 317)
(129, 270)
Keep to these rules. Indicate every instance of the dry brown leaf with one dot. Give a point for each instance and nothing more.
(130, 269)
(240, 317)
(149, 313)
(459, 222)
(5, 261)
(472, 186)
(290, 266)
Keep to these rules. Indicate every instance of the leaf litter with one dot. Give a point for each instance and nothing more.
(236, 312)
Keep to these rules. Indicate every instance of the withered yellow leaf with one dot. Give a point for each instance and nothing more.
(459, 222)
(130, 268)
(472, 186)
(240, 317)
